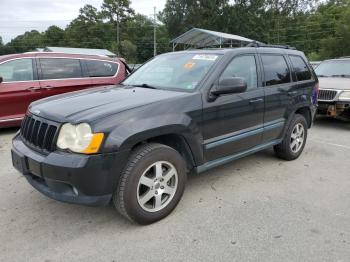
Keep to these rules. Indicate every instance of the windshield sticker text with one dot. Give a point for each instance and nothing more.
(205, 57)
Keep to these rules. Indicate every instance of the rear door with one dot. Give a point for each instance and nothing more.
(304, 77)
(102, 72)
(19, 88)
(279, 90)
(62, 75)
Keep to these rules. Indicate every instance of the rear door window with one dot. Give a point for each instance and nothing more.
(17, 70)
(301, 70)
(98, 68)
(276, 70)
(60, 68)
(243, 66)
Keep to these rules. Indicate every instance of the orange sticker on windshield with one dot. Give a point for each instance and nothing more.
(189, 65)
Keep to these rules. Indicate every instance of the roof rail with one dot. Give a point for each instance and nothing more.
(259, 44)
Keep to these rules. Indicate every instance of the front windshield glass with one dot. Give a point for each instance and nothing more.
(337, 68)
(173, 71)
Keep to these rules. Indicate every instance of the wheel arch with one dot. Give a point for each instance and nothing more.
(306, 113)
(175, 141)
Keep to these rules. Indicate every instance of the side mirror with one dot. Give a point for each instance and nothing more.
(229, 85)
(1, 79)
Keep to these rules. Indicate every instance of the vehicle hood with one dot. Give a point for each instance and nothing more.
(93, 104)
(338, 83)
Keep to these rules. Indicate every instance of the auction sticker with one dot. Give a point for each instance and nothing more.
(205, 57)
(189, 65)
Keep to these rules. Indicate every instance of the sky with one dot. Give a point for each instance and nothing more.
(19, 16)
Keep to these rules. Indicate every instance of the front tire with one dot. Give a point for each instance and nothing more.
(294, 140)
(152, 183)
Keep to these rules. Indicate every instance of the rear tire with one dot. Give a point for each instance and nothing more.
(294, 140)
(151, 184)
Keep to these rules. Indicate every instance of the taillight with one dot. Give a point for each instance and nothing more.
(315, 93)
(317, 88)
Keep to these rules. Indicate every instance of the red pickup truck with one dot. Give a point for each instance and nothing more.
(27, 77)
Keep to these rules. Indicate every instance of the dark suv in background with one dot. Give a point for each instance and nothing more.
(134, 144)
(27, 77)
(334, 95)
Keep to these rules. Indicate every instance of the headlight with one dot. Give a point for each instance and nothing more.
(345, 96)
(79, 138)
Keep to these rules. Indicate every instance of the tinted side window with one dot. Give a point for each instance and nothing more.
(17, 70)
(276, 70)
(245, 67)
(101, 68)
(301, 70)
(59, 68)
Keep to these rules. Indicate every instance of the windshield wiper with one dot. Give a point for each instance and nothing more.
(322, 76)
(145, 86)
(342, 75)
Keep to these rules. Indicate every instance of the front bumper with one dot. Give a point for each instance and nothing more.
(336, 109)
(66, 177)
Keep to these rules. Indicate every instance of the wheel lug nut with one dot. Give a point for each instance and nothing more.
(156, 192)
(161, 187)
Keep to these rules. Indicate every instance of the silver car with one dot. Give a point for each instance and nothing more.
(334, 92)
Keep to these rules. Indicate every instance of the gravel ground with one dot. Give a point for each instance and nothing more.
(258, 208)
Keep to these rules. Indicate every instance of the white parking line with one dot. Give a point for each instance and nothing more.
(330, 144)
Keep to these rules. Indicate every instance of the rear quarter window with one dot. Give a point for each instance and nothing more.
(98, 68)
(276, 70)
(301, 69)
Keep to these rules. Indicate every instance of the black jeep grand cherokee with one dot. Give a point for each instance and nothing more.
(133, 144)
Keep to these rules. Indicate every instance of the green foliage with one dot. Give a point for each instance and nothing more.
(117, 10)
(128, 49)
(320, 28)
(27, 42)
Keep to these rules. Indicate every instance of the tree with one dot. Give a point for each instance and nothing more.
(29, 41)
(117, 11)
(320, 28)
(54, 36)
(128, 50)
(182, 15)
(88, 30)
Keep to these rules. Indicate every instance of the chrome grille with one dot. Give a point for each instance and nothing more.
(39, 133)
(327, 95)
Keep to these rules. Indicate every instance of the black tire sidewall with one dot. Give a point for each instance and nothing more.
(298, 119)
(132, 207)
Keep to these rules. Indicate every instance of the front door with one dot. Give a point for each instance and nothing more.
(19, 88)
(234, 123)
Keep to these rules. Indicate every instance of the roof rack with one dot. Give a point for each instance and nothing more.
(259, 44)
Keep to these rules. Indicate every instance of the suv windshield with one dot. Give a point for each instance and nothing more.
(173, 71)
(336, 68)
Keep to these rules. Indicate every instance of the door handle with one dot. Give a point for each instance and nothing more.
(258, 100)
(34, 88)
(48, 87)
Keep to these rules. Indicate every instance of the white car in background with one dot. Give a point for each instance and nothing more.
(334, 92)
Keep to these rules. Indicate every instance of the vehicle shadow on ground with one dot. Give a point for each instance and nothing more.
(8, 131)
(107, 217)
(328, 122)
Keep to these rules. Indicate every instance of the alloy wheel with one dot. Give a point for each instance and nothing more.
(157, 186)
(297, 138)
